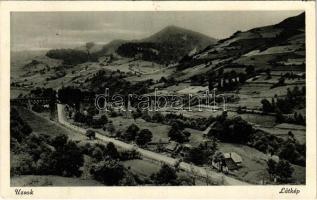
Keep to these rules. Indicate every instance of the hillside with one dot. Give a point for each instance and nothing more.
(166, 46)
(49, 180)
(277, 47)
(265, 47)
(182, 95)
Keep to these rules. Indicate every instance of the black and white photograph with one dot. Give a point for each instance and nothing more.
(158, 98)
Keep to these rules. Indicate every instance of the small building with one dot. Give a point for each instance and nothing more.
(96, 117)
(172, 147)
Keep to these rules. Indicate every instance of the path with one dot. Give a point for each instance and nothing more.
(199, 171)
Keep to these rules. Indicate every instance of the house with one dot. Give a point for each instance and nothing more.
(159, 144)
(172, 147)
(232, 161)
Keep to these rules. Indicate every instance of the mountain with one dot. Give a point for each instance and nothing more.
(177, 35)
(293, 22)
(274, 46)
(166, 46)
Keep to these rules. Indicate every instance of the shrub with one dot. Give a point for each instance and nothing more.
(131, 132)
(129, 155)
(111, 151)
(109, 172)
(144, 137)
(166, 176)
(67, 157)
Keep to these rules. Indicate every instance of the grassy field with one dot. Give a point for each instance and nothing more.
(43, 126)
(251, 94)
(14, 93)
(48, 180)
(300, 135)
(144, 168)
(157, 75)
(159, 130)
(254, 165)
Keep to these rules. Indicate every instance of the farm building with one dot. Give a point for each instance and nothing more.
(172, 146)
(232, 161)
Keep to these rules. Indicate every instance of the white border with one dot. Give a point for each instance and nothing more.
(237, 192)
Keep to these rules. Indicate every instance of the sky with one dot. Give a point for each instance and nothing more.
(51, 30)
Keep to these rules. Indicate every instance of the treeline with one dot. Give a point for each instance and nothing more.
(117, 84)
(239, 131)
(294, 99)
(49, 93)
(170, 118)
(69, 56)
(224, 80)
(39, 154)
(162, 53)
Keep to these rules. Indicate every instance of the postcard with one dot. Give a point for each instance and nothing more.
(138, 99)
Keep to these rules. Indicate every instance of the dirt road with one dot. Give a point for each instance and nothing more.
(198, 171)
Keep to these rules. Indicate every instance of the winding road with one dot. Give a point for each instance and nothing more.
(217, 177)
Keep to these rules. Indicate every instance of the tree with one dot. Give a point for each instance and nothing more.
(131, 132)
(89, 45)
(166, 176)
(70, 96)
(291, 136)
(279, 116)
(271, 168)
(266, 106)
(197, 156)
(102, 121)
(268, 73)
(236, 130)
(250, 70)
(109, 172)
(284, 171)
(242, 77)
(158, 117)
(136, 114)
(281, 81)
(109, 127)
(144, 137)
(289, 152)
(97, 154)
(112, 151)
(59, 141)
(219, 159)
(176, 133)
(91, 134)
(67, 157)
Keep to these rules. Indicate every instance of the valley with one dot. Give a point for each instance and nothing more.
(236, 108)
